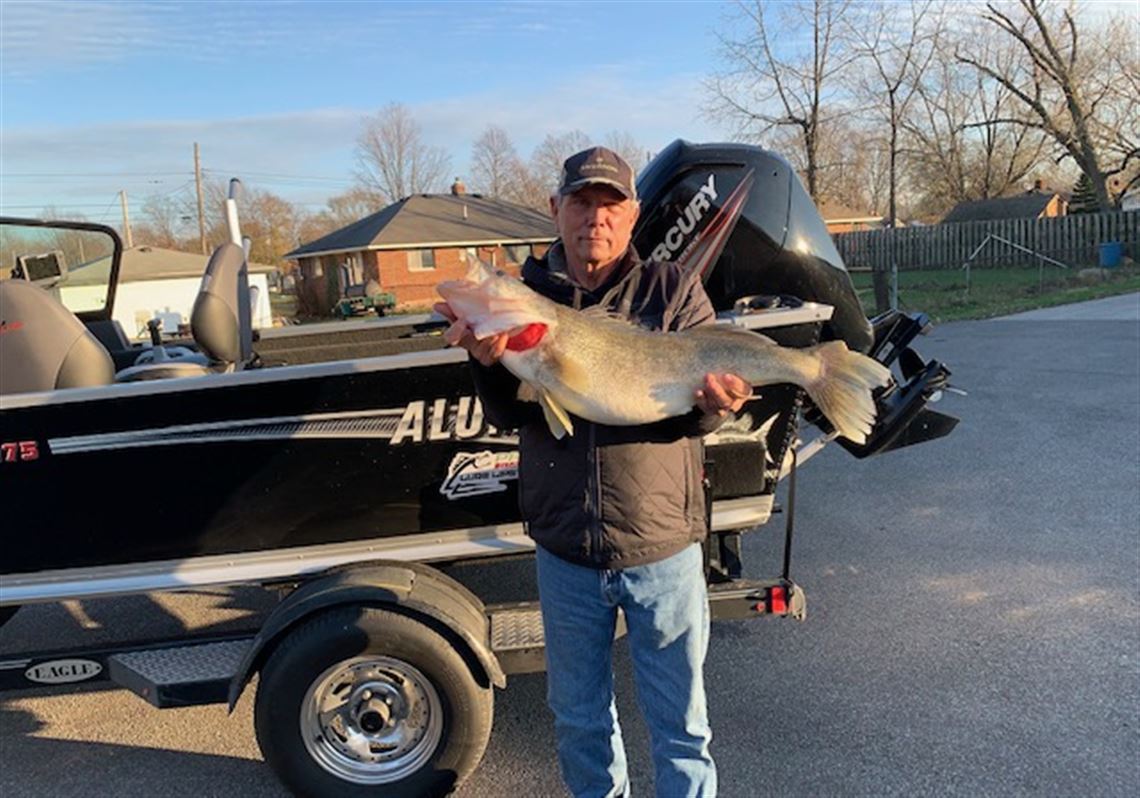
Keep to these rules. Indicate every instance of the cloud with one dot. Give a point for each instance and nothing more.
(95, 161)
(39, 37)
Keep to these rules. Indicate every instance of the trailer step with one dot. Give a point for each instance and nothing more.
(517, 639)
(516, 629)
(180, 676)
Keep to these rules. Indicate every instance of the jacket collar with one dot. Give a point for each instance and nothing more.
(551, 277)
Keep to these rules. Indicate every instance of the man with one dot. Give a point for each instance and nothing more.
(617, 512)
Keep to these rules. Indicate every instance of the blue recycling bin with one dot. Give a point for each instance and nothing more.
(1110, 254)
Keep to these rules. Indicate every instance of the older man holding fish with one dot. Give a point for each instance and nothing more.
(617, 511)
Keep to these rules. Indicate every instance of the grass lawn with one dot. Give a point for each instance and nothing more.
(996, 291)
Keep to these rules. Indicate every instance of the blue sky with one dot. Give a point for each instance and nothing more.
(101, 96)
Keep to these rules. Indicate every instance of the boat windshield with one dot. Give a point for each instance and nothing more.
(73, 261)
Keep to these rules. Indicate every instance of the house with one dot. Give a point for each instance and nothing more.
(163, 283)
(1130, 201)
(841, 219)
(411, 245)
(1037, 203)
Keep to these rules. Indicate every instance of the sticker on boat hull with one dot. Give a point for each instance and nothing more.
(477, 473)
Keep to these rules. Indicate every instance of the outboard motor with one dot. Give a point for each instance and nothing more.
(740, 215)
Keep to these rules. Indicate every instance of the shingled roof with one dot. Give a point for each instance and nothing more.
(1023, 206)
(436, 220)
(145, 262)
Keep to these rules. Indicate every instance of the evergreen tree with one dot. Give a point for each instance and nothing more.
(1084, 197)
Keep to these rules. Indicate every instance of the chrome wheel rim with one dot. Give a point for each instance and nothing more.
(371, 720)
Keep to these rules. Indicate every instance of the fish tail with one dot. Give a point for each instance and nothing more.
(842, 391)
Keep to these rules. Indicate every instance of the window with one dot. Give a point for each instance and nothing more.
(420, 260)
(354, 270)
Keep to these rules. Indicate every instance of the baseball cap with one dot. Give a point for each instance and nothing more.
(597, 165)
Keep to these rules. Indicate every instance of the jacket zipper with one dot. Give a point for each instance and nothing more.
(595, 494)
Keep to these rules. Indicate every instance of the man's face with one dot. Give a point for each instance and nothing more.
(595, 224)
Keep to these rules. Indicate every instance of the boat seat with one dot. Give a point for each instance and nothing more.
(44, 346)
(221, 321)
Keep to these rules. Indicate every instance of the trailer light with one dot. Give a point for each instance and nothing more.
(778, 598)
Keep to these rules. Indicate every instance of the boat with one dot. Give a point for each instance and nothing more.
(349, 458)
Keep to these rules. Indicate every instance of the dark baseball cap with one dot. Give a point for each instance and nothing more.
(597, 166)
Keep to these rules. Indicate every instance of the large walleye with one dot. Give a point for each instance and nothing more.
(611, 371)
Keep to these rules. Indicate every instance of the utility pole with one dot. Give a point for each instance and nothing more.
(126, 219)
(201, 207)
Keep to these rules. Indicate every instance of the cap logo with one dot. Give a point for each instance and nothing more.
(597, 165)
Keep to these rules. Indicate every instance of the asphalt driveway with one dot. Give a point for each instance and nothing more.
(973, 616)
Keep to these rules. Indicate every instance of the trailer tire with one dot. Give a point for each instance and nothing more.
(333, 688)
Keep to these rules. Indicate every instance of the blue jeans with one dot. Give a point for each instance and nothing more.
(667, 615)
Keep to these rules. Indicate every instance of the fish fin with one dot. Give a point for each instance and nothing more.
(603, 313)
(527, 393)
(556, 416)
(842, 391)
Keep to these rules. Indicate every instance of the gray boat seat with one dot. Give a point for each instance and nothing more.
(221, 321)
(44, 346)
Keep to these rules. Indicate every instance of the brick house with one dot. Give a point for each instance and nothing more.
(411, 245)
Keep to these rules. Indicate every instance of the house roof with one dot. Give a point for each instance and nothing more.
(833, 212)
(436, 220)
(144, 263)
(1022, 206)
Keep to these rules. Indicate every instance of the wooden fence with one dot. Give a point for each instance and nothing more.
(1073, 240)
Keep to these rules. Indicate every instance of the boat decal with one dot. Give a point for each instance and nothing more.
(479, 473)
(419, 421)
(63, 671)
(701, 251)
(19, 451)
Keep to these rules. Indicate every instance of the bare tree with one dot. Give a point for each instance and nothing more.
(494, 162)
(393, 159)
(768, 86)
(353, 205)
(546, 162)
(852, 165)
(341, 210)
(624, 144)
(1064, 77)
(896, 51)
(956, 162)
(162, 216)
(526, 189)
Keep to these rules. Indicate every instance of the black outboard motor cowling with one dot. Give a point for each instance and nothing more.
(740, 215)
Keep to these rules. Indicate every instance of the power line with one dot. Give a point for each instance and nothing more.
(93, 174)
(65, 206)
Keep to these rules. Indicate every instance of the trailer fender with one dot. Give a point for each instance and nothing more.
(413, 589)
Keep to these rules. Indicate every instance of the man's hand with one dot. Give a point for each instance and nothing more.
(488, 351)
(722, 393)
